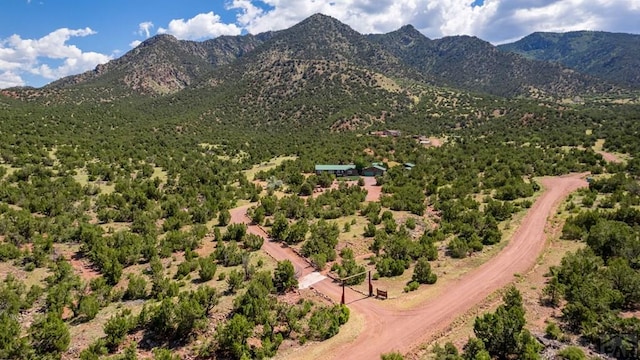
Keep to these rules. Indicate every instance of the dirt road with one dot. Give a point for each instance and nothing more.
(388, 329)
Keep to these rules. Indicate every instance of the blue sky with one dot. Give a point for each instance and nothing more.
(43, 40)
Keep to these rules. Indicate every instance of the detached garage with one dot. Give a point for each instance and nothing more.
(374, 170)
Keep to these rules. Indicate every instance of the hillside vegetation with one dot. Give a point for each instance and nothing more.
(117, 188)
(610, 56)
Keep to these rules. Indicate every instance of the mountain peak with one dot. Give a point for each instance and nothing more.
(321, 22)
(160, 38)
(319, 17)
(408, 29)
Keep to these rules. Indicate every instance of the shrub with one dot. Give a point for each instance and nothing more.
(95, 351)
(552, 331)
(390, 267)
(325, 322)
(253, 242)
(412, 286)
(392, 356)
(234, 281)
(117, 328)
(571, 353)
(284, 278)
(207, 269)
(422, 273)
(186, 267)
(88, 307)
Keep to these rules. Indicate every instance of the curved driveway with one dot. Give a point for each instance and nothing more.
(388, 329)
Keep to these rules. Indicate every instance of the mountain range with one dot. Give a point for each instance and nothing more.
(321, 54)
(614, 57)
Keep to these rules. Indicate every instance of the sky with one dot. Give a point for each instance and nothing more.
(44, 40)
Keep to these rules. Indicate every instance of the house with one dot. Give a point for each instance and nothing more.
(394, 133)
(337, 170)
(408, 166)
(376, 169)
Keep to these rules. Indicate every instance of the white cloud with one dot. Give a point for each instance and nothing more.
(495, 20)
(201, 26)
(248, 11)
(21, 56)
(10, 79)
(144, 28)
(135, 43)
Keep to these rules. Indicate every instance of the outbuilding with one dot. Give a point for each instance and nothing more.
(374, 170)
(408, 165)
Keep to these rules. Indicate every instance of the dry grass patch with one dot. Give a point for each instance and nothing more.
(266, 166)
(82, 178)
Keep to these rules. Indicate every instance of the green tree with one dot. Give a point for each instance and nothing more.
(474, 350)
(224, 217)
(130, 352)
(306, 189)
(234, 281)
(49, 336)
(325, 322)
(12, 345)
(422, 272)
(502, 332)
(207, 269)
(88, 307)
(279, 228)
(284, 277)
(253, 242)
(297, 232)
(137, 288)
(116, 328)
(257, 216)
(448, 352)
(232, 338)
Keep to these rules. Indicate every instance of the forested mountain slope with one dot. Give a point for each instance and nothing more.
(470, 63)
(614, 57)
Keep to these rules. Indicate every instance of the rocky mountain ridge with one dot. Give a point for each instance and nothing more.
(164, 65)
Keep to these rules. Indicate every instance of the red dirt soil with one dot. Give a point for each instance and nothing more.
(387, 329)
(609, 157)
(373, 191)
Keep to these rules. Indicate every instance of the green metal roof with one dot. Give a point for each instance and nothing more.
(335, 167)
(379, 167)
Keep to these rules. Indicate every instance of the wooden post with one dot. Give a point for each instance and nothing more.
(370, 285)
(352, 276)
